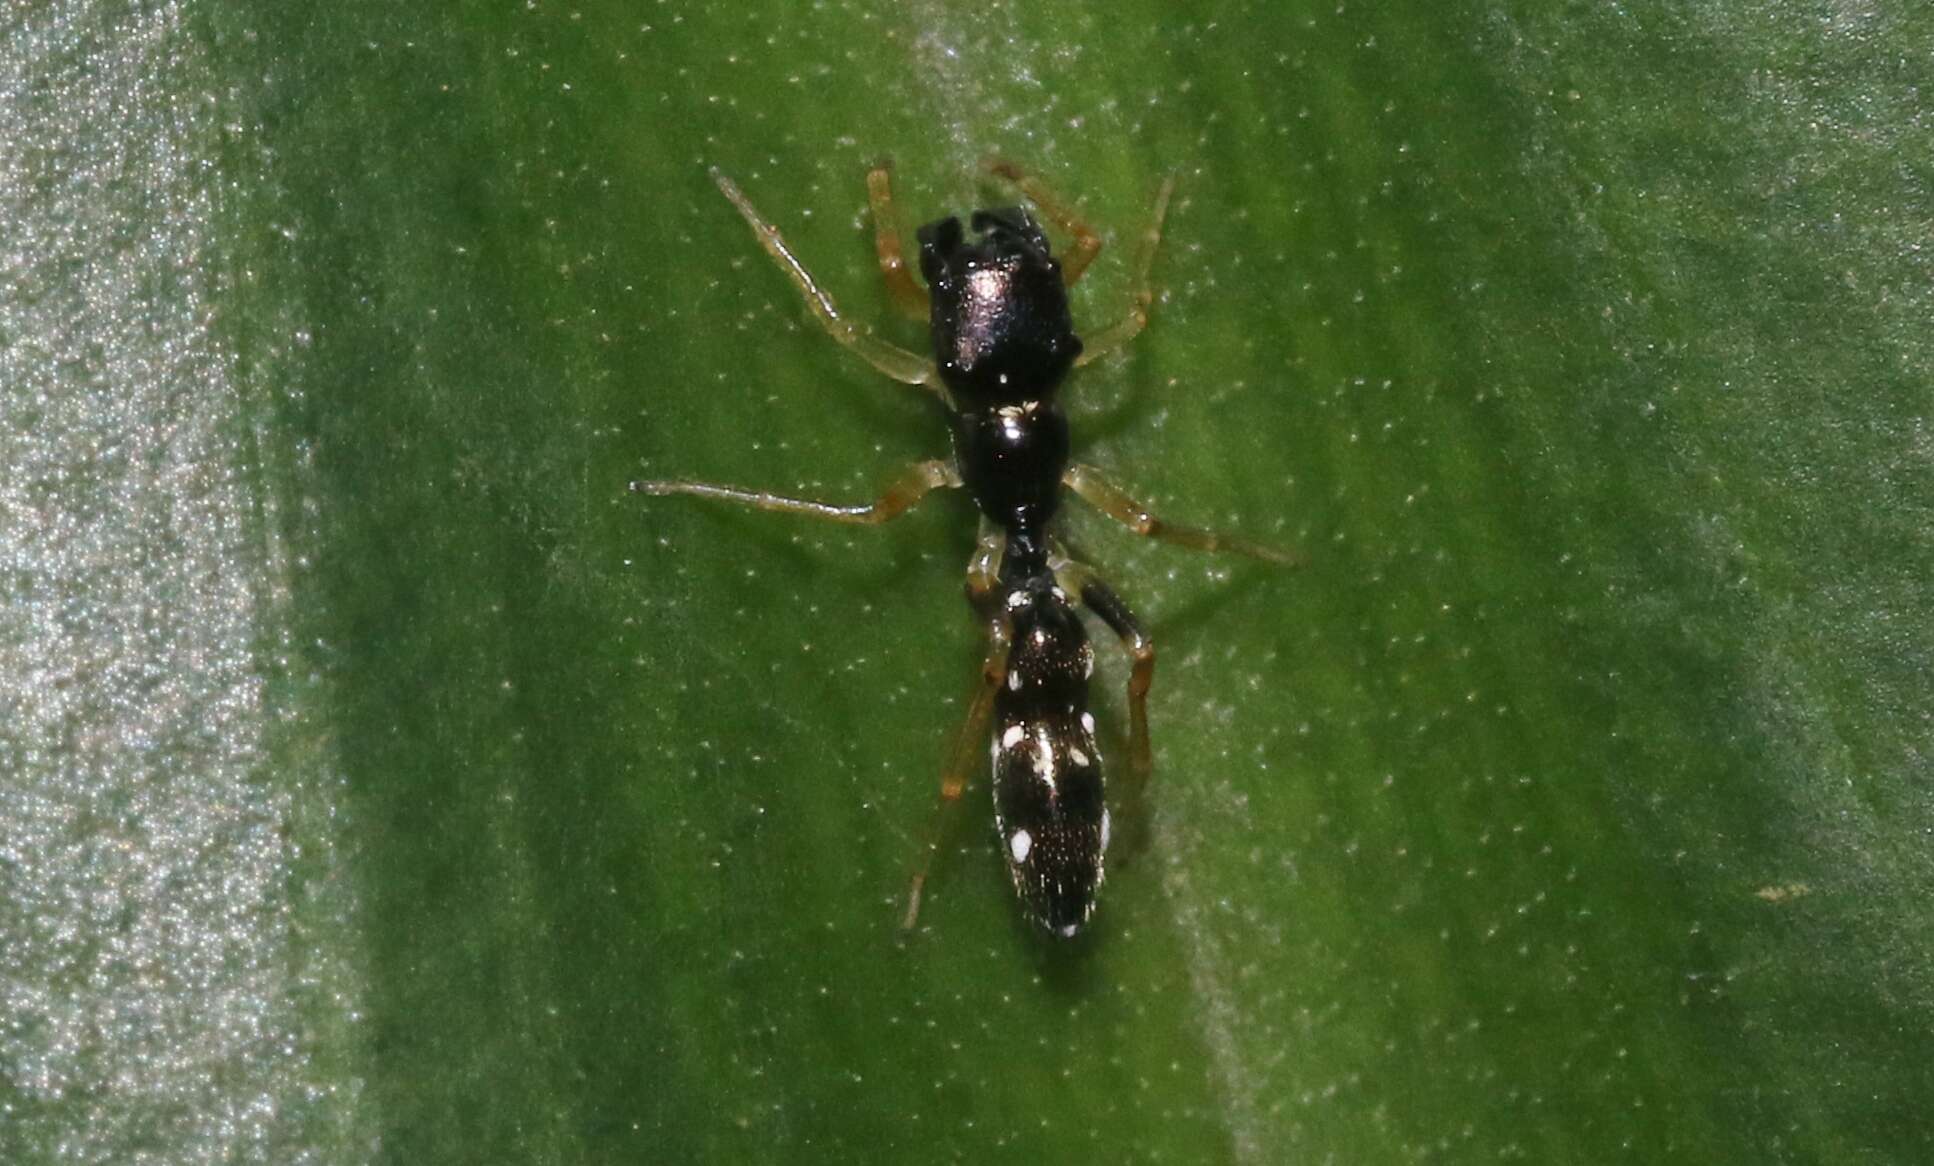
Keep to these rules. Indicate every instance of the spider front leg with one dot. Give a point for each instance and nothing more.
(899, 497)
(1087, 244)
(906, 295)
(1105, 496)
(906, 367)
(1115, 336)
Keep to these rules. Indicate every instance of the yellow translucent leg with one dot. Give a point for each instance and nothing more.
(901, 496)
(1104, 496)
(1115, 336)
(906, 367)
(906, 295)
(1086, 243)
(969, 747)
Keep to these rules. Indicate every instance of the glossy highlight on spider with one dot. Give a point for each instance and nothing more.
(1002, 340)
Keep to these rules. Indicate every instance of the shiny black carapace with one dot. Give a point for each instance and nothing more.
(996, 304)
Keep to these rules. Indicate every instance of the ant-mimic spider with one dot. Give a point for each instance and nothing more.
(1002, 341)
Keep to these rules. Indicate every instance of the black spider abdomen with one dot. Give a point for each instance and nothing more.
(1048, 805)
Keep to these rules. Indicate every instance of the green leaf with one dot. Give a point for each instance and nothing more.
(382, 781)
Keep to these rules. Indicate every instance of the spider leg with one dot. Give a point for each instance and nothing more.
(899, 497)
(1108, 498)
(907, 295)
(902, 365)
(968, 750)
(1081, 580)
(1087, 244)
(1130, 326)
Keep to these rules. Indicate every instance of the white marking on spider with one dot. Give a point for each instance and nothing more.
(1016, 600)
(1087, 661)
(1077, 756)
(1014, 680)
(1019, 843)
(1012, 736)
(1044, 756)
(1088, 723)
(1104, 829)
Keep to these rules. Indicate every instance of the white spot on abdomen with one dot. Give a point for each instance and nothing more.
(1044, 756)
(1019, 843)
(1088, 723)
(1012, 736)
